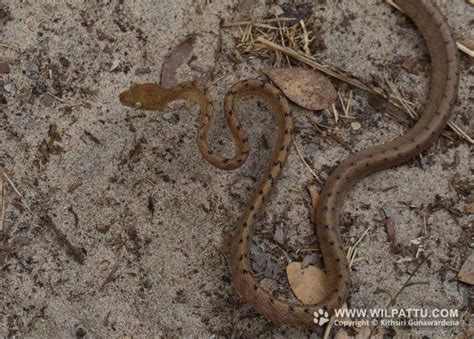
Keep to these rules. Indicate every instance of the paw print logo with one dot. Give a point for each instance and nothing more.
(321, 317)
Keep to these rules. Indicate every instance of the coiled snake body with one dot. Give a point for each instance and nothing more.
(436, 112)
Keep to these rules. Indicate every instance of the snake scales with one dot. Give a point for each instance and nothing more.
(436, 112)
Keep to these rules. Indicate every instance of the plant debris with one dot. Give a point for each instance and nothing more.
(310, 285)
(176, 59)
(307, 88)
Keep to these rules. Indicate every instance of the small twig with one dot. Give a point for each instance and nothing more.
(110, 276)
(305, 163)
(17, 192)
(253, 22)
(464, 49)
(351, 253)
(405, 285)
(73, 250)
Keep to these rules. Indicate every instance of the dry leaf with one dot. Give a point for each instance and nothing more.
(307, 88)
(466, 274)
(313, 192)
(390, 227)
(310, 285)
(175, 59)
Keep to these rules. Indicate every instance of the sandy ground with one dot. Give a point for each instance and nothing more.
(132, 195)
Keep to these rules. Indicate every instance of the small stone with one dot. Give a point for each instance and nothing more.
(147, 283)
(47, 99)
(8, 87)
(356, 125)
(167, 116)
(4, 68)
(32, 67)
(310, 259)
(115, 64)
(143, 70)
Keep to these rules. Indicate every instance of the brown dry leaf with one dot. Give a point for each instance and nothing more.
(307, 88)
(390, 227)
(313, 192)
(175, 59)
(310, 285)
(466, 274)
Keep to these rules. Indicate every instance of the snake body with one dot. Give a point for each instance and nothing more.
(436, 112)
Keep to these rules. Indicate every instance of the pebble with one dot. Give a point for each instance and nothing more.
(167, 116)
(115, 64)
(47, 100)
(356, 125)
(32, 67)
(142, 70)
(8, 87)
(310, 259)
(4, 68)
(147, 283)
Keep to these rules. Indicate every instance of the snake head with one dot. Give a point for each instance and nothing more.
(146, 96)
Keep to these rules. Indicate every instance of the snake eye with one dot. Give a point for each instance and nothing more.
(138, 104)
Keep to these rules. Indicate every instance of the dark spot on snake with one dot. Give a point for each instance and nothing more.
(288, 114)
(225, 160)
(291, 309)
(241, 241)
(326, 226)
(307, 310)
(255, 287)
(339, 275)
(331, 243)
(338, 259)
(241, 258)
(244, 272)
(338, 177)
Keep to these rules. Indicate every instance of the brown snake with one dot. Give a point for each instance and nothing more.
(436, 112)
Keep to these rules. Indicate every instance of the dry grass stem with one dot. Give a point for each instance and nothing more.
(305, 163)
